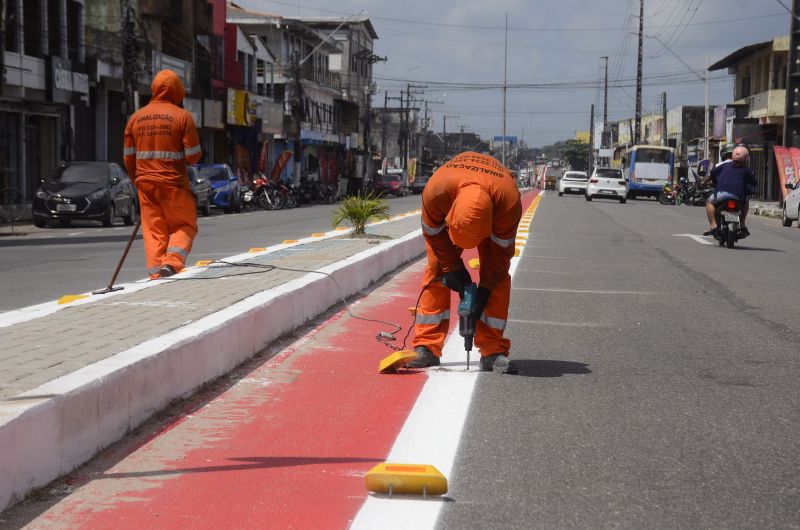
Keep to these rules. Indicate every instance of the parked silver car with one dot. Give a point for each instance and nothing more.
(791, 206)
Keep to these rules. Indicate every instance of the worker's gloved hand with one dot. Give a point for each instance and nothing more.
(457, 280)
(480, 302)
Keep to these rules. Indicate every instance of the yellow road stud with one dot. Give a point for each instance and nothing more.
(517, 252)
(289, 241)
(203, 263)
(410, 479)
(474, 263)
(68, 298)
(342, 228)
(318, 234)
(395, 361)
(257, 249)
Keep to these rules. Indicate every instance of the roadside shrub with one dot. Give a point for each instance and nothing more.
(361, 209)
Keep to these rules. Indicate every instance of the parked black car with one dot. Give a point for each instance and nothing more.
(99, 191)
(419, 184)
(201, 190)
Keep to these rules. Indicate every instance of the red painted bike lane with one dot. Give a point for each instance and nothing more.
(285, 447)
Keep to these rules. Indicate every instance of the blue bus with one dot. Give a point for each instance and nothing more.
(647, 168)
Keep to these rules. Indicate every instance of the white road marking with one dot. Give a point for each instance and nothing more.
(566, 324)
(577, 291)
(699, 239)
(75, 234)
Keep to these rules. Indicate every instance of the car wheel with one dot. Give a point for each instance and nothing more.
(623, 200)
(205, 210)
(110, 215)
(237, 204)
(64, 223)
(589, 198)
(39, 223)
(785, 221)
(131, 218)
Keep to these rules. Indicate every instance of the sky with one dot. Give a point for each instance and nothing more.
(554, 71)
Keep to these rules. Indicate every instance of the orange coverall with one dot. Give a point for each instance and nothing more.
(160, 140)
(489, 200)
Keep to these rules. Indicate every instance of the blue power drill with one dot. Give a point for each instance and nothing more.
(466, 317)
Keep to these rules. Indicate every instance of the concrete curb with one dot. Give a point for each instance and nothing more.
(49, 431)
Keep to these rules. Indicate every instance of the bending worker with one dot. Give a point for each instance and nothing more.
(160, 140)
(471, 201)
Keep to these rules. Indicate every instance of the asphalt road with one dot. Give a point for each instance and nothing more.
(46, 264)
(659, 379)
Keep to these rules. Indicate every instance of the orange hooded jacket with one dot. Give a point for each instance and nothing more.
(161, 138)
(471, 198)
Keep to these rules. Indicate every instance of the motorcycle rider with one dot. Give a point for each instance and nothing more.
(732, 179)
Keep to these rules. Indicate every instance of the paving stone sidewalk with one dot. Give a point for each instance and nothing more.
(43, 349)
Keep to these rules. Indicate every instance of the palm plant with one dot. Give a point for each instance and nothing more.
(360, 209)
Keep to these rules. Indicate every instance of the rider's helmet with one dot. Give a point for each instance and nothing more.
(726, 152)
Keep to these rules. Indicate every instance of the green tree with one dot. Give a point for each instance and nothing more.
(576, 153)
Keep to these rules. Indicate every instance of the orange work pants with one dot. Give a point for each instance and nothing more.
(433, 313)
(169, 224)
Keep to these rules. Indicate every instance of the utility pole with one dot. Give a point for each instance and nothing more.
(705, 114)
(664, 118)
(505, 89)
(3, 19)
(605, 103)
(130, 56)
(444, 130)
(638, 126)
(297, 114)
(791, 126)
(591, 140)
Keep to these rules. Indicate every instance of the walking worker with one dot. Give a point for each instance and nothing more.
(160, 140)
(471, 201)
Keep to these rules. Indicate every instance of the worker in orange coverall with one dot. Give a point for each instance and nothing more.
(471, 201)
(160, 140)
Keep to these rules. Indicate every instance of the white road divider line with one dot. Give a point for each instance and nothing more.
(699, 239)
(579, 291)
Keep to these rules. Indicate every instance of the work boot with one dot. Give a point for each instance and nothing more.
(424, 358)
(166, 271)
(498, 362)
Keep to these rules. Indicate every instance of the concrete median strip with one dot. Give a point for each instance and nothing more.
(50, 430)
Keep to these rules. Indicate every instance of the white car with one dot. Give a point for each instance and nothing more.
(791, 206)
(607, 183)
(572, 182)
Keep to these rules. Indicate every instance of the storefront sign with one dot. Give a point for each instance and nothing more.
(212, 114)
(63, 81)
(195, 108)
(271, 116)
(241, 108)
(182, 68)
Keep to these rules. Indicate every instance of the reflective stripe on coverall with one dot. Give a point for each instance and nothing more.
(495, 252)
(160, 140)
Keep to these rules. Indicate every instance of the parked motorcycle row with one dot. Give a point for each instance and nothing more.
(270, 195)
(684, 193)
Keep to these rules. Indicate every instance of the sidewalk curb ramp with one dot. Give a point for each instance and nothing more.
(49, 431)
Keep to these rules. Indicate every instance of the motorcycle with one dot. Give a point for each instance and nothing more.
(289, 195)
(267, 195)
(728, 214)
(667, 194)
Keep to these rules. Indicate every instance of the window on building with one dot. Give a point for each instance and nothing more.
(32, 36)
(12, 26)
(745, 84)
(74, 32)
(54, 27)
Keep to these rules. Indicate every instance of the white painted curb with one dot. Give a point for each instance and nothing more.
(49, 431)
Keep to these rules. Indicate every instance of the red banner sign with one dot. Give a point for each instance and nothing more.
(280, 163)
(262, 158)
(788, 162)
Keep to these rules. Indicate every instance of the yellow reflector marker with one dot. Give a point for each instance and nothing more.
(395, 361)
(257, 249)
(517, 252)
(413, 479)
(289, 241)
(474, 263)
(203, 263)
(318, 234)
(342, 228)
(68, 298)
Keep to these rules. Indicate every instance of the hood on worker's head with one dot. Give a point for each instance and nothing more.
(469, 220)
(167, 86)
